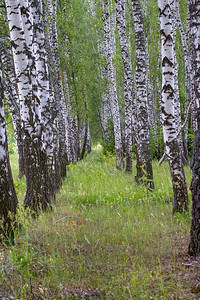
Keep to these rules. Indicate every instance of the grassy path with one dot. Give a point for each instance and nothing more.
(105, 239)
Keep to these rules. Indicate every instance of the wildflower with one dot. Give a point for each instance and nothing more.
(97, 201)
(110, 173)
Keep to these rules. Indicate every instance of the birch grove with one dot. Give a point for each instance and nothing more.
(109, 76)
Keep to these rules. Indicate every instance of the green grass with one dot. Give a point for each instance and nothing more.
(105, 234)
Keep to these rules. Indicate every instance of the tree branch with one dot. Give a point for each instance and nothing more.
(186, 119)
(162, 159)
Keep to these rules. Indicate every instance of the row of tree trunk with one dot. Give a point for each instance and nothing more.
(47, 129)
(136, 110)
(48, 136)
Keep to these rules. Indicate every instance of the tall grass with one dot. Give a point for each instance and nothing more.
(105, 235)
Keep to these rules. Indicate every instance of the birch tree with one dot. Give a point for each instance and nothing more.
(48, 126)
(177, 105)
(194, 10)
(12, 96)
(151, 107)
(8, 198)
(129, 95)
(144, 162)
(187, 64)
(37, 193)
(109, 46)
(71, 151)
(53, 56)
(173, 152)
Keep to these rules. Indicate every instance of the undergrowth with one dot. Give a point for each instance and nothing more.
(106, 237)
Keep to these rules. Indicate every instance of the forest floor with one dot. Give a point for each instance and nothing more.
(106, 238)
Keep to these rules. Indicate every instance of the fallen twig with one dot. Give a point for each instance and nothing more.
(191, 265)
(66, 218)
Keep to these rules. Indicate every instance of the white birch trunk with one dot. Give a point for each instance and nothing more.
(151, 105)
(69, 119)
(20, 60)
(129, 95)
(49, 148)
(27, 25)
(89, 141)
(169, 128)
(185, 43)
(37, 195)
(8, 198)
(105, 114)
(177, 107)
(194, 9)
(109, 31)
(13, 100)
(143, 139)
(57, 83)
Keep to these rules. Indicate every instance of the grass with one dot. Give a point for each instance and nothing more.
(106, 238)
